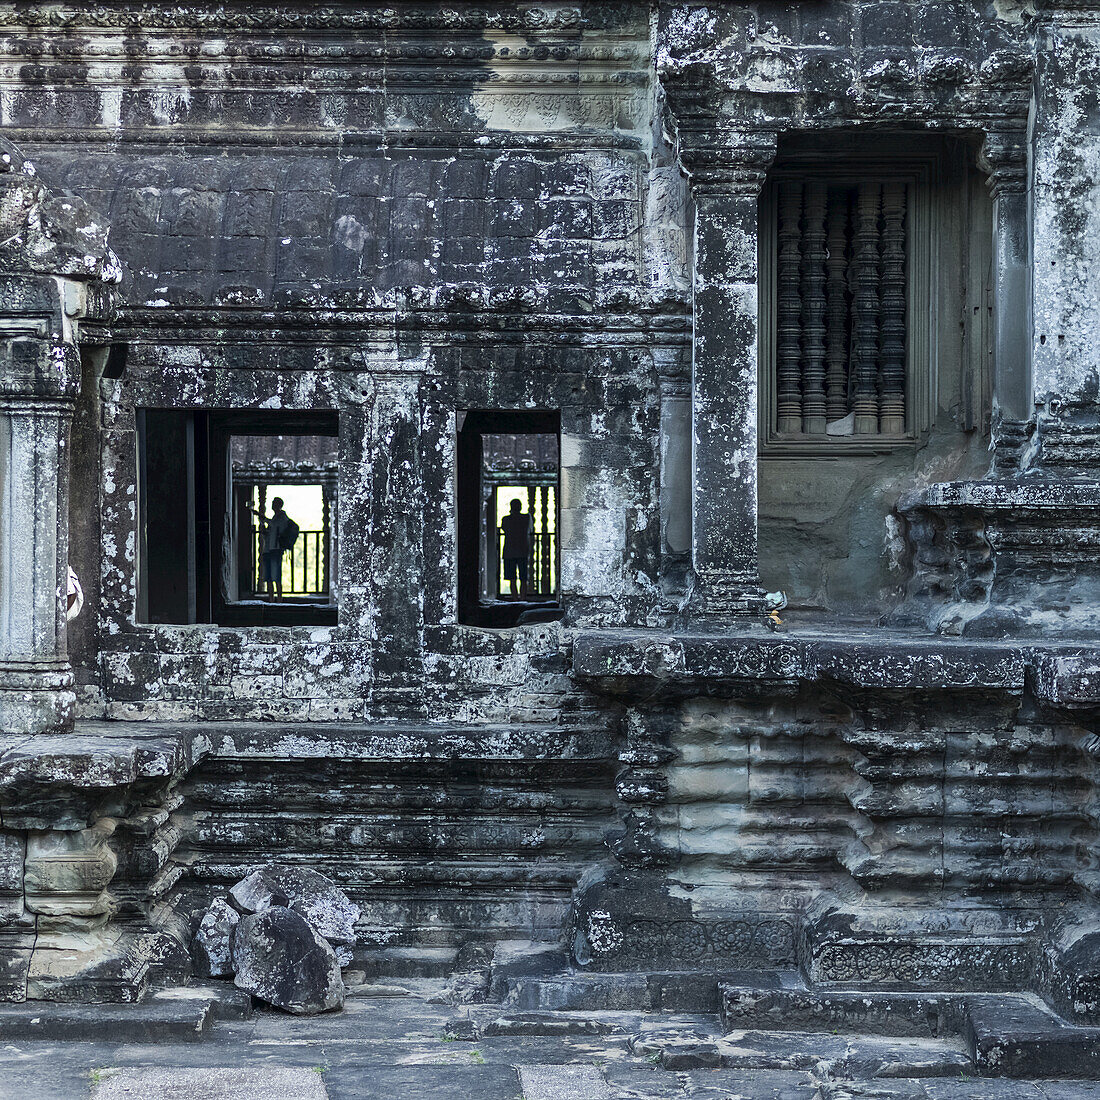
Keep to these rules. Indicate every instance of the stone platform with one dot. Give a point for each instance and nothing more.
(402, 1047)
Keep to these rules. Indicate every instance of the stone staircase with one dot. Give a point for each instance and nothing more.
(774, 1020)
(443, 835)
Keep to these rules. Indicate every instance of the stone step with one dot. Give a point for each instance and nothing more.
(660, 991)
(491, 1023)
(681, 1048)
(226, 1001)
(1007, 1034)
(151, 1021)
(780, 1000)
(1020, 1037)
(178, 1014)
(381, 963)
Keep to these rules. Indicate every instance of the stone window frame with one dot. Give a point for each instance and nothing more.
(220, 423)
(922, 172)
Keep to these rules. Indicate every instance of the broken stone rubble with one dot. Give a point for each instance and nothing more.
(325, 907)
(280, 959)
(288, 947)
(211, 952)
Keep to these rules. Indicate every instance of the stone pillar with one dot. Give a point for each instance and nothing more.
(727, 173)
(675, 468)
(1004, 158)
(394, 553)
(39, 382)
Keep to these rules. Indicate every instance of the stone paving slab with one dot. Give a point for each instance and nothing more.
(403, 1049)
(564, 1083)
(209, 1083)
(423, 1083)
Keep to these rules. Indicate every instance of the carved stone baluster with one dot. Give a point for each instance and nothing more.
(836, 285)
(892, 371)
(865, 309)
(788, 353)
(544, 542)
(813, 310)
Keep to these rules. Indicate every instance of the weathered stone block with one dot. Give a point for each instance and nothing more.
(211, 945)
(279, 958)
(67, 873)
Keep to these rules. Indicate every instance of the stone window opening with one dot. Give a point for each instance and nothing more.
(504, 456)
(301, 471)
(845, 301)
(204, 479)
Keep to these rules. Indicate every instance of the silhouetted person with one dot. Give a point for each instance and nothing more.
(275, 532)
(517, 547)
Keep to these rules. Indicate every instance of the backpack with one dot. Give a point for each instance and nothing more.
(289, 535)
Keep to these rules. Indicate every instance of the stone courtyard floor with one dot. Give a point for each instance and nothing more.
(409, 1048)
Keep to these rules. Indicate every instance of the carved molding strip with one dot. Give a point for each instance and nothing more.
(222, 17)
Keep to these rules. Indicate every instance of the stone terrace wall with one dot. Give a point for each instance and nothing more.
(390, 213)
(918, 815)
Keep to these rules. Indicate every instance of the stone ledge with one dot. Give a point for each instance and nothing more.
(62, 781)
(1014, 496)
(399, 741)
(182, 1014)
(622, 662)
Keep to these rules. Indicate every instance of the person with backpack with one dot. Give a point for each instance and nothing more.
(280, 534)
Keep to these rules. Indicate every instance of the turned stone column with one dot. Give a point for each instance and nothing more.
(727, 173)
(1004, 158)
(39, 382)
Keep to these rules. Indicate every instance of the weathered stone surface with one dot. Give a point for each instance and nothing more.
(246, 1083)
(427, 214)
(563, 1083)
(279, 958)
(329, 911)
(211, 945)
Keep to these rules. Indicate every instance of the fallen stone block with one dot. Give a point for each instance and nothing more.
(280, 958)
(316, 898)
(210, 946)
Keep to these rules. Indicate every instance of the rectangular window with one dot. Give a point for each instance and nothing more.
(845, 304)
(299, 472)
(508, 566)
(237, 517)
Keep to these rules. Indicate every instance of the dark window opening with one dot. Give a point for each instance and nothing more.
(841, 308)
(115, 366)
(508, 510)
(211, 547)
(845, 304)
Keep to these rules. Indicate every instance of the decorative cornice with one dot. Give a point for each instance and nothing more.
(1068, 11)
(43, 233)
(729, 163)
(324, 17)
(792, 86)
(351, 326)
(155, 138)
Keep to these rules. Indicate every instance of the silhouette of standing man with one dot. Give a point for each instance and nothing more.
(517, 547)
(276, 531)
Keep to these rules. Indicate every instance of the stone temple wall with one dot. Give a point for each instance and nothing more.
(398, 213)
(390, 215)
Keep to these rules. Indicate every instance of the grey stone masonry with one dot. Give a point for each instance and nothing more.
(55, 270)
(800, 297)
(726, 178)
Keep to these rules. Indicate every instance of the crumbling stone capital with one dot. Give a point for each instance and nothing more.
(1003, 157)
(726, 163)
